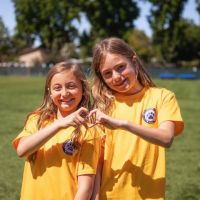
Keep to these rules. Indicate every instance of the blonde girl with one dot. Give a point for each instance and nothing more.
(61, 154)
(140, 121)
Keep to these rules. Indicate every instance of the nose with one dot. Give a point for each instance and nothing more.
(64, 92)
(116, 76)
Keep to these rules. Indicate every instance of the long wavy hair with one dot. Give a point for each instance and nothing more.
(102, 94)
(47, 110)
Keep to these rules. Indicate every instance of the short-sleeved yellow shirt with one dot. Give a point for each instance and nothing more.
(52, 175)
(133, 168)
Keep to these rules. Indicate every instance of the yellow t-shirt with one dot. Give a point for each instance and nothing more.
(53, 174)
(134, 168)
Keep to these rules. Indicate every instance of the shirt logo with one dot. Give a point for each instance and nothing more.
(70, 147)
(149, 115)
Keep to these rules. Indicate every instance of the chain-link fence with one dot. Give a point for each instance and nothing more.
(155, 72)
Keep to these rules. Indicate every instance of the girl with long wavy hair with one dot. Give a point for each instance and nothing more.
(61, 152)
(140, 121)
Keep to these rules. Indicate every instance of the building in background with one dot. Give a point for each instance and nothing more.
(33, 56)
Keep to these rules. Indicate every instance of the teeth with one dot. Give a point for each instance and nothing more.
(122, 83)
(66, 101)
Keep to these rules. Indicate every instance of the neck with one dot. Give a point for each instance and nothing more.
(62, 114)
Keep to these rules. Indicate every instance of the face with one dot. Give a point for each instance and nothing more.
(119, 74)
(66, 92)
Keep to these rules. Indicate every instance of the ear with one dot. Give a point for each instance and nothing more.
(49, 93)
(134, 59)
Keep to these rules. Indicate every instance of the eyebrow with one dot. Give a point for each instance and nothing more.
(56, 84)
(121, 63)
(116, 65)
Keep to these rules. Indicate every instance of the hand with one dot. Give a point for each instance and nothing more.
(75, 119)
(98, 117)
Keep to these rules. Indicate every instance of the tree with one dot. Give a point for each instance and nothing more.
(53, 22)
(107, 18)
(164, 18)
(110, 18)
(198, 6)
(187, 46)
(4, 42)
(140, 43)
(18, 45)
(49, 21)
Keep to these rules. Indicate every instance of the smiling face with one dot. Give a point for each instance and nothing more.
(119, 74)
(66, 92)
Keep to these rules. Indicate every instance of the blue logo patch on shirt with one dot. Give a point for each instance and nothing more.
(69, 147)
(149, 115)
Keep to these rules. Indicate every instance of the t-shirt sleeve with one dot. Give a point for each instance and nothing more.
(170, 111)
(29, 128)
(90, 152)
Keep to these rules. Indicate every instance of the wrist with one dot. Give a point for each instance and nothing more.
(124, 124)
(57, 125)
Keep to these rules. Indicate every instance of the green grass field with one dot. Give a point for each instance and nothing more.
(20, 95)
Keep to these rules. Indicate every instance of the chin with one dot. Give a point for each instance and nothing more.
(67, 108)
(124, 90)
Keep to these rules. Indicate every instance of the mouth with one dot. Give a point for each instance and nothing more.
(67, 101)
(121, 84)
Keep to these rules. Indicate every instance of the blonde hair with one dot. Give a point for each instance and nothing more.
(102, 94)
(47, 110)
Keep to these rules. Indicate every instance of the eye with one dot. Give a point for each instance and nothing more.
(120, 68)
(71, 86)
(107, 74)
(56, 88)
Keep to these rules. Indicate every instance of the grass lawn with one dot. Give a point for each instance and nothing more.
(20, 95)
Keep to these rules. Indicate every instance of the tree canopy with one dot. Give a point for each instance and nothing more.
(52, 22)
(141, 44)
(54, 25)
(173, 36)
(164, 18)
(107, 18)
(49, 21)
(187, 46)
(4, 41)
(110, 18)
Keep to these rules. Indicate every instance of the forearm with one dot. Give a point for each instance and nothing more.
(83, 194)
(32, 143)
(85, 187)
(97, 182)
(163, 135)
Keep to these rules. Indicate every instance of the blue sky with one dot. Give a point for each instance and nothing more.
(7, 13)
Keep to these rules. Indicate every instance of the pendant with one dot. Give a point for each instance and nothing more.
(69, 147)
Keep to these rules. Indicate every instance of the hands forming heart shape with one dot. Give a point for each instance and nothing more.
(90, 118)
(91, 121)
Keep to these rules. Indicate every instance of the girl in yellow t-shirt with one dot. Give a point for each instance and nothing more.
(61, 154)
(140, 122)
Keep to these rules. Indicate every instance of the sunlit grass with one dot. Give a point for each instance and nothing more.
(20, 95)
